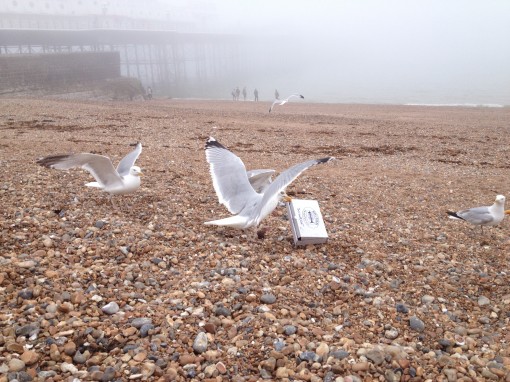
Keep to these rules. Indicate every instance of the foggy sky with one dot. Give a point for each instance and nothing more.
(403, 51)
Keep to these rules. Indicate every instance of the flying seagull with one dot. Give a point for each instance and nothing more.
(482, 216)
(123, 180)
(230, 181)
(284, 101)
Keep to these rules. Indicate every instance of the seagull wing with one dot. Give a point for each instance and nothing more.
(129, 160)
(294, 95)
(477, 215)
(275, 102)
(99, 166)
(229, 177)
(284, 101)
(288, 176)
(260, 179)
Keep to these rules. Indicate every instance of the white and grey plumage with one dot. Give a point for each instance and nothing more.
(482, 216)
(233, 188)
(123, 180)
(260, 179)
(284, 101)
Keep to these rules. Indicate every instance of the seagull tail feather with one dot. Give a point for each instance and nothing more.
(93, 184)
(453, 215)
(233, 221)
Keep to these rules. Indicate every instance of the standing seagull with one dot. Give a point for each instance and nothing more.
(124, 180)
(234, 190)
(482, 216)
(284, 101)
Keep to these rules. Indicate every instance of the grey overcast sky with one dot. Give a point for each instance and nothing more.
(405, 51)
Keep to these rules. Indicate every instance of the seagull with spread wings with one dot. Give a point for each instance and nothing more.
(234, 190)
(123, 180)
(284, 101)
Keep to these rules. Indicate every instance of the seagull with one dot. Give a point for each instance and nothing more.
(123, 180)
(232, 186)
(482, 216)
(284, 101)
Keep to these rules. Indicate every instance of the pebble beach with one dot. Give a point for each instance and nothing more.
(145, 291)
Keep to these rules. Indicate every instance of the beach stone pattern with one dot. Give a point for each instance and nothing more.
(140, 289)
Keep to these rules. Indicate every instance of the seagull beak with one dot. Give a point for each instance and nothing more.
(140, 173)
(287, 199)
(507, 212)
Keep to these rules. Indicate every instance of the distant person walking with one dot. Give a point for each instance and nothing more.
(238, 92)
(256, 94)
(276, 94)
(244, 93)
(149, 92)
(233, 94)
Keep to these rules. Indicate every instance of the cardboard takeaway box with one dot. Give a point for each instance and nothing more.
(306, 222)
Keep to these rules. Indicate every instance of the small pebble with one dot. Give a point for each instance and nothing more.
(376, 356)
(108, 374)
(110, 308)
(268, 298)
(144, 330)
(339, 354)
(26, 294)
(401, 308)
(289, 330)
(391, 334)
(141, 321)
(68, 368)
(309, 356)
(222, 311)
(100, 224)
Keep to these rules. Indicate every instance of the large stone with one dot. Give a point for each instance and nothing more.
(360, 366)
(268, 364)
(14, 347)
(483, 301)
(322, 350)
(108, 375)
(282, 372)
(141, 321)
(416, 324)
(268, 298)
(29, 357)
(451, 374)
(148, 369)
(289, 330)
(16, 364)
(376, 356)
(110, 308)
(200, 343)
(68, 368)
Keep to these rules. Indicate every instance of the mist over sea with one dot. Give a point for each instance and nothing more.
(419, 99)
(329, 88)
(391, 52)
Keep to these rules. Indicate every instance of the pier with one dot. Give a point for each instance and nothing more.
(171, 62)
